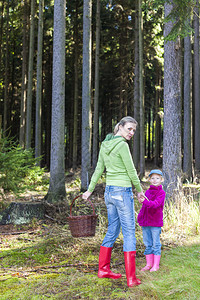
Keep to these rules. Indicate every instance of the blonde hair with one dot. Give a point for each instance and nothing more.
(123, 121)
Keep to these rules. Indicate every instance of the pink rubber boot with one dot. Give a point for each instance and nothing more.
(149, 260)
(156, 263)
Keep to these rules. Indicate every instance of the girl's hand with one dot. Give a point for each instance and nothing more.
(86, 195)
(141, 197)
(141, 200)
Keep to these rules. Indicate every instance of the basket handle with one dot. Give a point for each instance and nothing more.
(86, 199)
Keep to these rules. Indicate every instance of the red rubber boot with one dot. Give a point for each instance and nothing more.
(104, 264)
(132, 280)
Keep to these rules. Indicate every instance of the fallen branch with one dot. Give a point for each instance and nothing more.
(51, 218)
(18, 232)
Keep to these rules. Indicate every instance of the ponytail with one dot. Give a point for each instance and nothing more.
(116, 129)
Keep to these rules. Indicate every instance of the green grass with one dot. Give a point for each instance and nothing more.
(50, 264)
(53, 265)
(178, 277)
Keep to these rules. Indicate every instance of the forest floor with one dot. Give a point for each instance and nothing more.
(42, 260)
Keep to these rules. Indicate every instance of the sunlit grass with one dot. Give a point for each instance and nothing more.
(51, 264)
(181, 217)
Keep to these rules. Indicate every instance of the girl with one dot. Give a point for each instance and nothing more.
(150, 218)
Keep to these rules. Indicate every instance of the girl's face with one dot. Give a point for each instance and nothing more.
(156, 179)
(127, 131)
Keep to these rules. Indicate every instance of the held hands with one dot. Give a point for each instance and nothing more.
(86, 195)
(141, 197)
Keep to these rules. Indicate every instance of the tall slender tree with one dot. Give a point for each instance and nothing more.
(75, 116)
(24, 77)
(86, 94)
(196, 88)
(6, 99)
(0, 125)
(157, 117)
(38, 118)
(187, 132)
(141, 91)
(172, 110)
(1, 32)
(96, 90)
(30, 77)
(136, 142)
(57, 190)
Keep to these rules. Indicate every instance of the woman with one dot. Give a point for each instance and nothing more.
(115, 157)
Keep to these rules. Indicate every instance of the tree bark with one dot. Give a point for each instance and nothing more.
(96, 93)
(38, 117)
(172, 111)
(6, 99)
(76, 55)
(187, 132)
(30, 77)
(141, 85)
(86, 95)
(24, 79)
(157, 118)
(1, 33)
(196, 88)
(136, 140)
(47, 110)
(57, 190)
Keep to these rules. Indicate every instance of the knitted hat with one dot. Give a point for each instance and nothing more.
(156, 172)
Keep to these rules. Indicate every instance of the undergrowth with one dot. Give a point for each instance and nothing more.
(49, 263)
(182, 217)
(18, 168)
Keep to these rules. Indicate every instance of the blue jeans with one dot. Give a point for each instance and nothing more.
(151, 239)
(120, 208)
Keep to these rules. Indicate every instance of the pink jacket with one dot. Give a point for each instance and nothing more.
(151, 213)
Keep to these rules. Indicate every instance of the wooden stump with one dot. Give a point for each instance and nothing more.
(22, 213)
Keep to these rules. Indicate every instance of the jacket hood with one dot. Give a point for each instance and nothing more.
(111, 142)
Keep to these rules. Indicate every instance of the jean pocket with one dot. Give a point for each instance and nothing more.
(117, 197)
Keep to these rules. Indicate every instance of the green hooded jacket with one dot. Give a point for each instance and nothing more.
(115, 157)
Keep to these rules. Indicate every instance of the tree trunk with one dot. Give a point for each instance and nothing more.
(57, 190)
(30, 77)
(75, 127)
(24, 79)
(172, 111)
(38, 121)
(141, 90)
(120, 108)
(0, 129)
(196, 88)
(187, 132)
(47, 110)
(86, 95)
(149, 134)
(136, 140)
(1, 33)
(6, 99)
(157, 118)
(96, 93)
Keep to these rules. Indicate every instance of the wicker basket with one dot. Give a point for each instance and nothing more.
(84, 225)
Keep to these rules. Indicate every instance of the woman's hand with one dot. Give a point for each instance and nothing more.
(86, 195)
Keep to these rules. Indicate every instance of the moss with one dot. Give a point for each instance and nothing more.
(53, 265)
